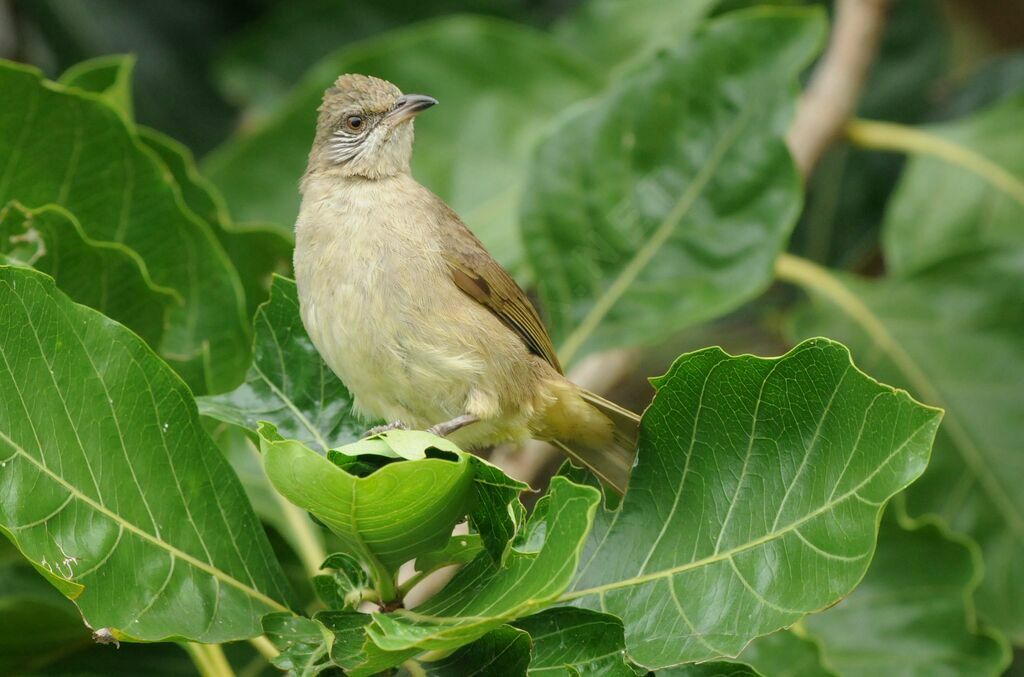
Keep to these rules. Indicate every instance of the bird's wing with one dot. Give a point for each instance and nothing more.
(480, 277)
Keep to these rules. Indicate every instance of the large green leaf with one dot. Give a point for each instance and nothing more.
(755, 499)
(37, 625)
(617, 34)
(109, 485)
(786, 654)
(264, 59)
(256, 251)
(912, 614)
(288, 384)
(674, 191)
(711, 669)
(471, 150)
(69, 147)
(954, 335)
(483, 595)
(569, 641)
(504, 651)
(103, 275)
(981, 184)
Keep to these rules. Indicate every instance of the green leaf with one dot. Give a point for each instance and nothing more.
(64, 146)
(256, 251)
(754, 477)
(460, 549)
(109, 76)
(344, 588)
(384, 519)
(108, 277)
(496, 512)
(504, 651)
(472, 150)
(37, 625)
(287, 384)
(352, 650)
(617, 34)
(568, 641)
(265, 58)
(484, 595)
(954, 335)
(677, 179)
(410, 445)
(303, 643)
(713, 669)
(981, 183)
(914, 603)
(111, 487)
(786, 654)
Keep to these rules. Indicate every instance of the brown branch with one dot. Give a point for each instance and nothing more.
(838, 79)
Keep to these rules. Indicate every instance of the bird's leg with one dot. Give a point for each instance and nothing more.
(448, 427)
(378, 429)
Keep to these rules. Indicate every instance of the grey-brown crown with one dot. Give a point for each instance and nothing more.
(365, 92)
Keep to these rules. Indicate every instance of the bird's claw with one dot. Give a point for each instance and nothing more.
(378, 429)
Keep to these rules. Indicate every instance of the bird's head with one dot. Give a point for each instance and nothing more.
(365, 128)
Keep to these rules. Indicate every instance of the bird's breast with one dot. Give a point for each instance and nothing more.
(374, 297)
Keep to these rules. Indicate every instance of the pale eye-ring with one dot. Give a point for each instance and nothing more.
(355, 123)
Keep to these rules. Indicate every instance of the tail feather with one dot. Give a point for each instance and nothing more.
(611, 458)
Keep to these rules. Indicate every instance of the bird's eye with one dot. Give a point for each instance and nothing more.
(354, 122)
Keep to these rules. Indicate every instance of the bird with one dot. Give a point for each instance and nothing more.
(406, 306)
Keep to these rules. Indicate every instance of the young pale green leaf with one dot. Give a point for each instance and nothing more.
(484, 595)
(384, 519)
(980, 176)
(303, 642)
(496, 512)
(111, 487)
(287, 384)
(69, 147)
(754, 478)
(347, 584)
(785, 654)
(617, 34)
(569, 641)
(912, 614)
(103, 275)
(954, 335)
(503, 651)
(677, 179)
(472, 150)
(410, 445)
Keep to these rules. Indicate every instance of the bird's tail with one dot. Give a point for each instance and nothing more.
(609, 454)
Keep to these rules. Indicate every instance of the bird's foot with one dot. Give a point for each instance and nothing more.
(448, 427)
(378, 429)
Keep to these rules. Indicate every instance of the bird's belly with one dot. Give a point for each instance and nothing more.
(380, 326)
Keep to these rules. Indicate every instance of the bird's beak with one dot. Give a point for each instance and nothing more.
(409, 106)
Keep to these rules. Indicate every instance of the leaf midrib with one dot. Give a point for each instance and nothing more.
(770, 536)
(814, 278)
(653, 245)
(164, 545)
